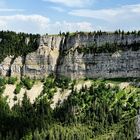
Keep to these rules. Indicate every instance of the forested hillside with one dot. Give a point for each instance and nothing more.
(98, 112)
(17, 44)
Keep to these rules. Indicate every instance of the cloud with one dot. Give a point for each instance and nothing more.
(124, 12)
(65, 26)
(59, 9)
(40, 24)
(11, 10)
(104, 14)
(126, 17)
(26, 23)
(71, 3)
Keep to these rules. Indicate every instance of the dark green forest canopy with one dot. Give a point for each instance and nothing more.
(98, 112)
(17, 44)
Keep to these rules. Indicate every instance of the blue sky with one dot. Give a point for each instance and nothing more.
(51, 16)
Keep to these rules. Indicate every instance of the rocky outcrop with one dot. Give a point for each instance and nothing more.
(44, 60)
(59, 54)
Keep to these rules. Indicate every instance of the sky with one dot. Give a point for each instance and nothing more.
(53, 16)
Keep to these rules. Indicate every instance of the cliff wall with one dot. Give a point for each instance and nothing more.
(79, 55)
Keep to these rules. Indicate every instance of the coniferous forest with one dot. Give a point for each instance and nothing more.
(98, 112)
(17, 44)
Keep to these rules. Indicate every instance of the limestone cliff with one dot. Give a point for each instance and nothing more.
(63, 55)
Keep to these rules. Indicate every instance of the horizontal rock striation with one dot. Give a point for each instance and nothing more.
(79, 55)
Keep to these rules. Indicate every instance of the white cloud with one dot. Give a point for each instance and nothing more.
(71, 3)
(59, 9)
(40, 24)
(11, 10)
(124, 12)
(65, 26)
(104, 14)
(26, 23)
(125, 17)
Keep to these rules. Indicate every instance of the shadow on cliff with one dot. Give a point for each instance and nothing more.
(63, 50)
(8, 73)
(60, 57)
(22, 69)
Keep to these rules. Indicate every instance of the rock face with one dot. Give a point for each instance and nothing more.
(44, 60)
(59, 54)
(138, 125)
(107, 65)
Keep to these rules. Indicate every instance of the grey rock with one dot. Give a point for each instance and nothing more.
(58, 54)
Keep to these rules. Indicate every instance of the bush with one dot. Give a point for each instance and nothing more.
(15, 98)
(2, 89)
(49, 87)
(2, 81)
(12, 80)
(63, 82)
(27, 82)
(18, 88)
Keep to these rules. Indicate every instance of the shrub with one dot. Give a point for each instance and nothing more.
(15, 98)
(2, 89)
(12, 80)
(27, 82)
(63, 82)
(2, 81)
(18, 88)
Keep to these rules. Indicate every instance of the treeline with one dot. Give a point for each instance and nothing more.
(122, 41)
(99, 33)
(17, 44)
(99, 112)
